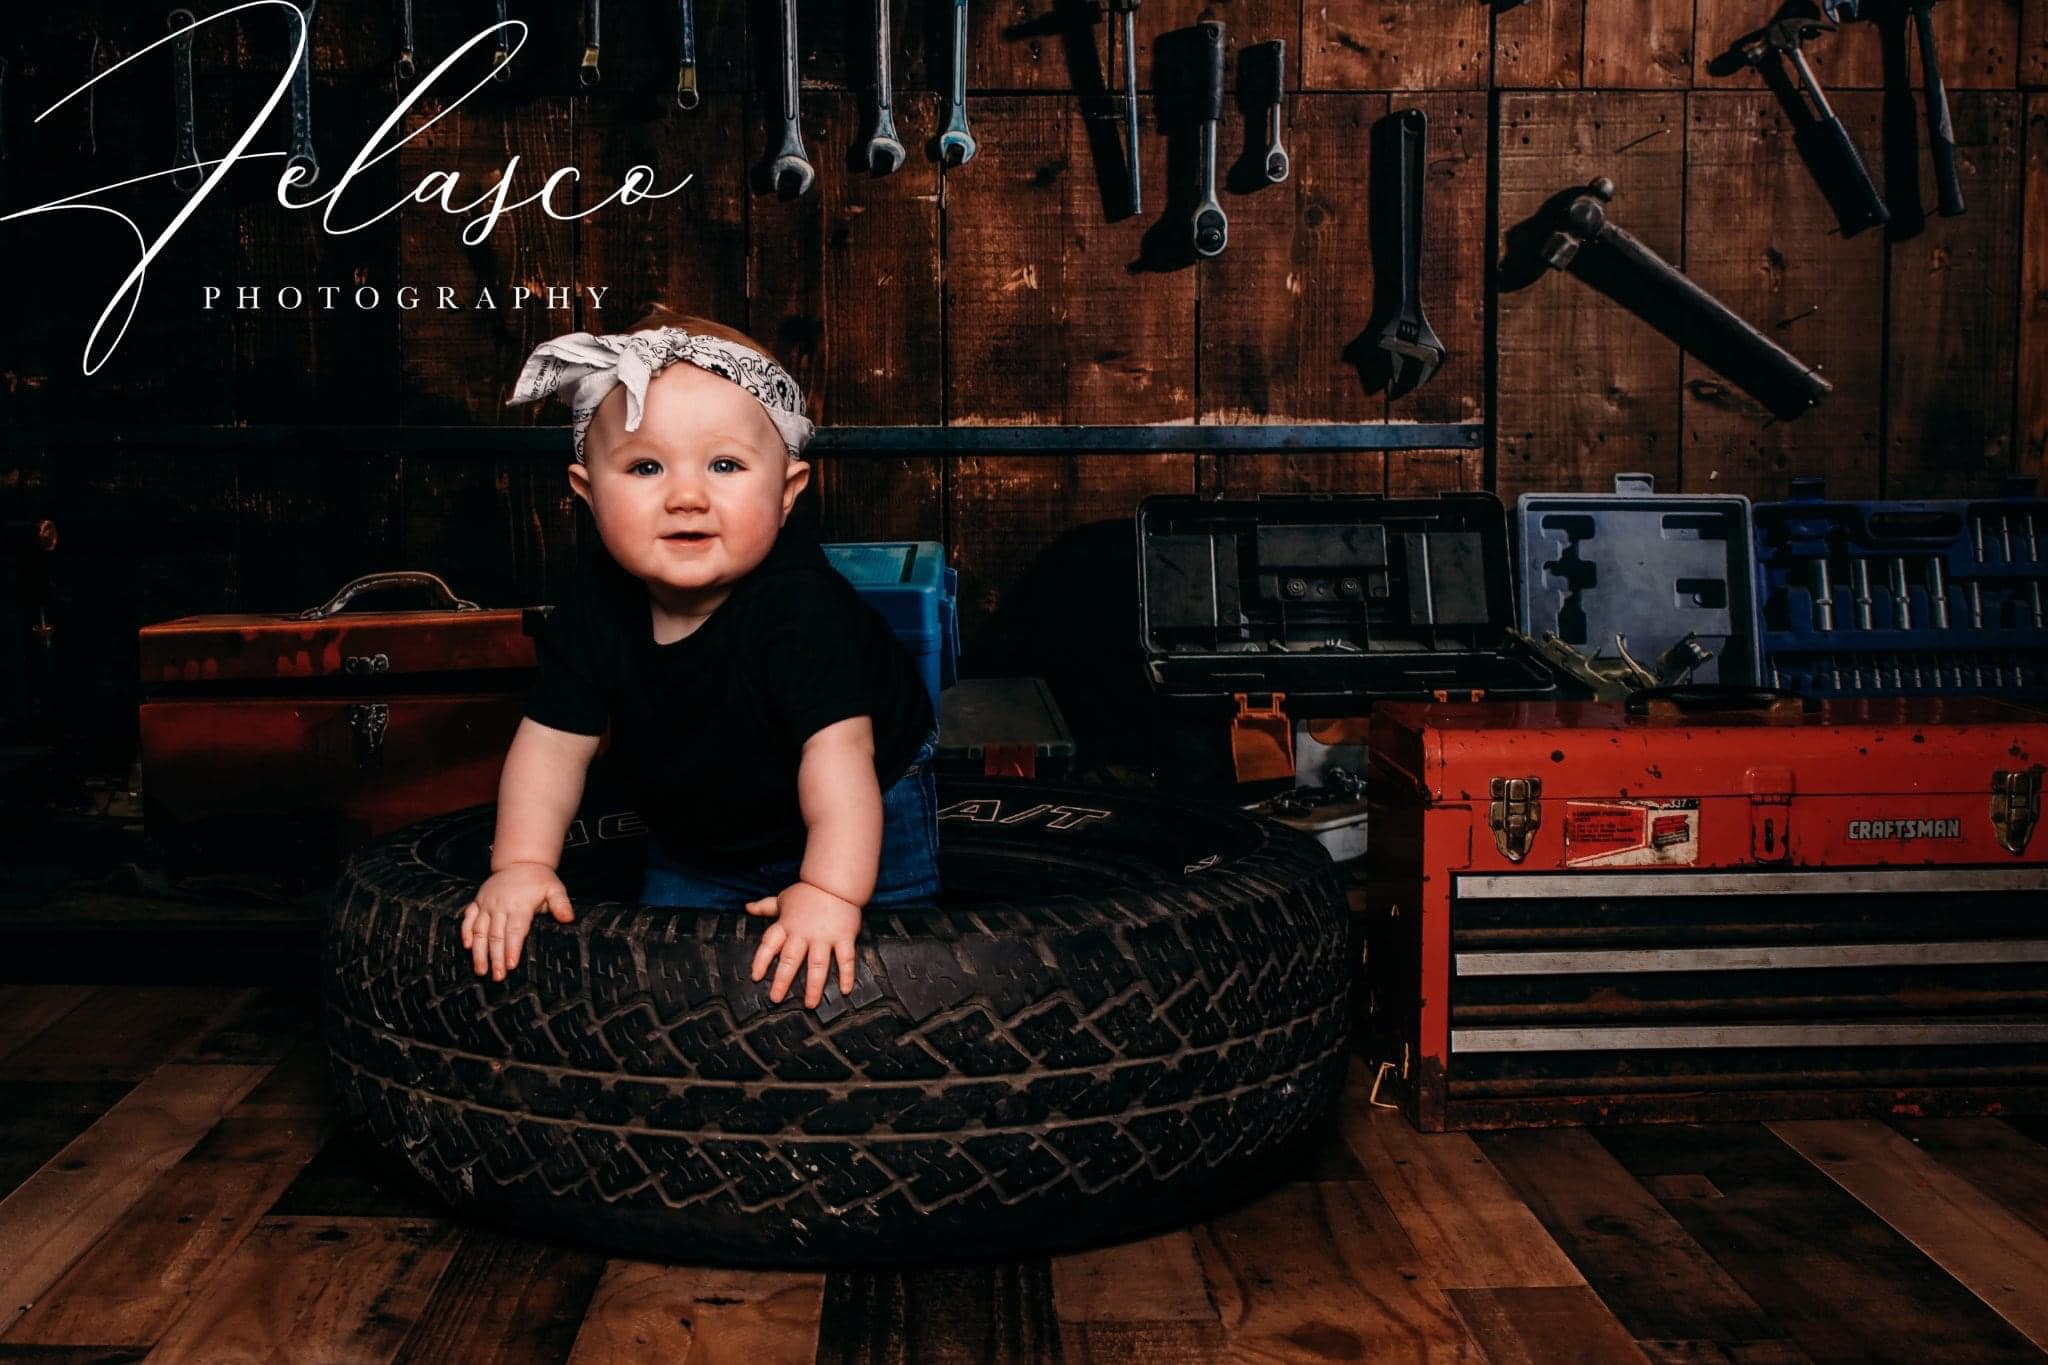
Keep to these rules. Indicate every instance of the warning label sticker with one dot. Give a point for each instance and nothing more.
(1631, 833)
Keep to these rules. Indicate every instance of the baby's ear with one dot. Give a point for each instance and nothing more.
(794, 480)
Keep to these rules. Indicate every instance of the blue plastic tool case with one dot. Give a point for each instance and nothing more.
(1650, 567)
(1905, 598)
(910, 583)
(1342, 596)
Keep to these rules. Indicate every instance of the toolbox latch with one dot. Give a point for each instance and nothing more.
(2015, 806)
(367, 720)
(1514, 813)
(1770, 814)
(1261, 739)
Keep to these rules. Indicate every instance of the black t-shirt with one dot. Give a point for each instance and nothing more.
(711, 728)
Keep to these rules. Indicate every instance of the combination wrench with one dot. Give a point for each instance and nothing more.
(1126, 12)
(956, 144)
(885, 149)
(1264, 68)
(302, 102)
(686, 64)
(502, 52)
(588, 73)
(185, 173)
(1208, 227)
(407, 66)
(790, 160)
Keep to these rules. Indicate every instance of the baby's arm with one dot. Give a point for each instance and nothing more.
(538, 792)
(820, 914)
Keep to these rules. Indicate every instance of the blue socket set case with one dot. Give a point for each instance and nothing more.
(1905, 598)
(1648, 567)
(910, 583)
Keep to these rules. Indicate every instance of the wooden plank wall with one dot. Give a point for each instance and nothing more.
(1014, 290)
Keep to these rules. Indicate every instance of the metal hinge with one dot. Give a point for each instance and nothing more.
(2015, 806)
(367, 720)
(1514, 814)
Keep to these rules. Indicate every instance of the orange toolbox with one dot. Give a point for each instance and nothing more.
(293, 738)
(1706, 903)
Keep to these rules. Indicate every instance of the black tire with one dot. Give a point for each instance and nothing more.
(1126, 1005)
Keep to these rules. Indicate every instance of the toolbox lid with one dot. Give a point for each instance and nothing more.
(1597, 750)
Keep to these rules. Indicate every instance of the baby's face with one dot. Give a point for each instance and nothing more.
(691, 502)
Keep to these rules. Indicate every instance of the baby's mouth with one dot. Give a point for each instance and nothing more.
(688, 537)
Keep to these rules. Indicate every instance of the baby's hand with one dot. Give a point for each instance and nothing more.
(494, 925)
(810, 925)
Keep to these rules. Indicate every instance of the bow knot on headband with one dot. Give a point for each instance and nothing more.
(591, 366)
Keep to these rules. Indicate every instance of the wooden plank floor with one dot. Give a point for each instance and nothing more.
(172, 1187)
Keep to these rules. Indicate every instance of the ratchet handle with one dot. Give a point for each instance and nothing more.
(1209, 104)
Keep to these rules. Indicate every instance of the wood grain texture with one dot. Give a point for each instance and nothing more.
(2004, 1164)
(643, 1311)
(2033, 63)
(996, 1313)
(1540, 45)
(505, 1299)
(86, 1188)
(1139, 1301)
(1238, 475)
(1394, 45)
(1466, 1223)
(43, 1117)
(125, 1035)
(1830, 1273)
(1455, 176)
(136, 1280)
(1537, 1324)
(314, 1289)
(1761, 238)
(1584, 389)
(1414, 472)
(1648, 1269)
(1999, 1256)
(26, 1011)
(1287, 300)
(1639, 44)
(1325, 1271)
(1953, 343)
(2033, 325)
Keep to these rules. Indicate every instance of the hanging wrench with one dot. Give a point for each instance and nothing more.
(790, 160)
(1210, 229)
(1264, 67)
(185, 173)
(588, 73)
(885, 150)
(1127, 19)
(1400, 329)
(407, 67)
(503, 52)
(956, 144)
(302, 102)
(686, 66)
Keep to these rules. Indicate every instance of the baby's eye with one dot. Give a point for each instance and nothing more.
(725, 464)
(638, 465)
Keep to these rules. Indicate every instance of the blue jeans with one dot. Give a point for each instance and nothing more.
(908, 873)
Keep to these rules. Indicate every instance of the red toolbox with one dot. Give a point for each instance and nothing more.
(279, 740)
(1676, 909)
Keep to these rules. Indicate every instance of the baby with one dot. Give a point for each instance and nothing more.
(776, 733)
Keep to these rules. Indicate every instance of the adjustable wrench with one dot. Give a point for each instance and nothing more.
(1398, 143)
(885, 150)
(1127, 30)
(1209, 228)
(407, 67)
(1264, 68)
(789, 160)
(502, 53)
(956, 144)
(302, 102)
(185, 173)
(686, 64)
(588, 73)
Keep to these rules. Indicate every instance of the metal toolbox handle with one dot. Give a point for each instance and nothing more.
(1696, 698)
(375, 582)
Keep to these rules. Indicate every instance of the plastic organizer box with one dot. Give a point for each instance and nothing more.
(909, 582)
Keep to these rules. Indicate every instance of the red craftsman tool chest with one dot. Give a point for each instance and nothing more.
(1672, 909)
(279, 740)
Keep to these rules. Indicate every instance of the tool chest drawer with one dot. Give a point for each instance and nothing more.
(1641, 571)
(1332, 595)
(1905, 598)
(1701, 906)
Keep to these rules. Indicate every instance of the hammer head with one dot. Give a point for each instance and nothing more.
(1782, 35)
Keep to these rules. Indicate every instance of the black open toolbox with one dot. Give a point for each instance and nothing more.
(1338, 596)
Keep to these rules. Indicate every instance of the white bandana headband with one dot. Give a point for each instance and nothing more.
(592, 366)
